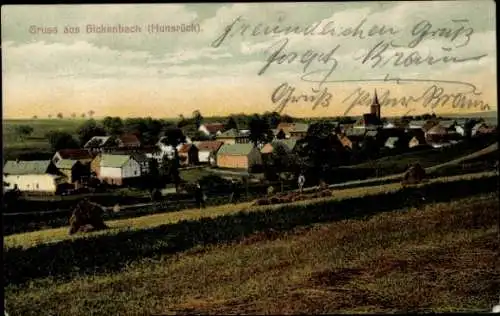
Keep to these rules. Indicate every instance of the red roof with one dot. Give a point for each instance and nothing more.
(185, 148)
(129, 139)
(74, 154)
(214, 127)
(209, 145)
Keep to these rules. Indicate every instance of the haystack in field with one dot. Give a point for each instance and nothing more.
(84, 215)
(414, 175)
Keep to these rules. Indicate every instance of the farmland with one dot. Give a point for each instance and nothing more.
(438, 258)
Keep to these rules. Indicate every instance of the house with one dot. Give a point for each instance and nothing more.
(38, 176)
(99, 143)
(442, 132)
(299, 130)
(119, 169)
(165, 149)
(207, 151)
(84, 156)
(369, 121)
(482, 128)
(238, 156)
(212, 129)
(417, 140)
(287, 144)
(233, 136)
(352, 141)
(128, 141)
(75, 172)
(188, 155)
(295, 130)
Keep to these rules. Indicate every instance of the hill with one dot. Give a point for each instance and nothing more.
(438, 258)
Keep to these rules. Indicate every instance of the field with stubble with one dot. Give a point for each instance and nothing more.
(441, 257)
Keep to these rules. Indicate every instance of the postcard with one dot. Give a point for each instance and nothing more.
(265, 158)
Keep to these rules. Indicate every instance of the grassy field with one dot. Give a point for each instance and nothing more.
(438, 258)
(31, 239)
(14, 145)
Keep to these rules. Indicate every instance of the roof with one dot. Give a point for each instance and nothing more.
(26, 167)
(232, 133)
(99, 141)
(66, 163)
(114, 161)
(74, 154)
(209, 145)
(371, 134)
(437, 129)
(235, 149)
(391, 140)
(129, 139)
(184, 148)
(354, 132)
(300, 128)
(214, 127)
(289, 145)
(447, 123)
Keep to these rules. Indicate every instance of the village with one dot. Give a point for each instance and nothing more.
(116, 161)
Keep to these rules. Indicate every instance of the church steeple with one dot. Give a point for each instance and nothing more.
(375, 107)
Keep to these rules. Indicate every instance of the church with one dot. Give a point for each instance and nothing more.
(372, 120)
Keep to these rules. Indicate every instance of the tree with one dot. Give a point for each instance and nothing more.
(91, 113)
(197, 118)
(24, 130)
(259, 130)
(230, 124)
(89, 129)
(170, 167)
(113, 125)
(61, 140)
(320, 151)
(281, 134)
(50, 116)
(60, 115)
(35, 117)
(73, 115)
(83, 115)
(274, 118)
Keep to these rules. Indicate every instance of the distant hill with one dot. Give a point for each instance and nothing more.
(486, 114)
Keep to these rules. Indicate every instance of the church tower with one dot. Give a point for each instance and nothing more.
(375, 107)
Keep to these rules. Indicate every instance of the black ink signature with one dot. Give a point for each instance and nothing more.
(378, 56)
(285, 94)
(280, 56)
(433, 97)
(358, 30)
(424, 30)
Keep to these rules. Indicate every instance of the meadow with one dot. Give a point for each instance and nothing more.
(437, 258)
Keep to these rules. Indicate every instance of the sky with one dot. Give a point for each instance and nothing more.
(49, 68)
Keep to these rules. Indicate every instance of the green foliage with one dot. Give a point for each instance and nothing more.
(24, 130)
(260, 131)
(62, 140)
(197, 118)
(89, 129)
(113, 125)
(230, 124)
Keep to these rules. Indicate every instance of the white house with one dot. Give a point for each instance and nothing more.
(212, 129)
(207, 151)
(40, 176)
(119, 169)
